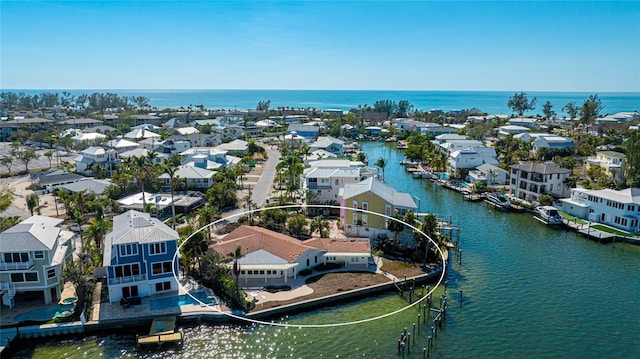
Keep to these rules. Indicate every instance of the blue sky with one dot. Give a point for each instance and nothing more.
(419, 45)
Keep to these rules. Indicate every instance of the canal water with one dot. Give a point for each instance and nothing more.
(528, 292)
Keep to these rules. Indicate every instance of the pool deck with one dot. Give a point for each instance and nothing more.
(107, 316)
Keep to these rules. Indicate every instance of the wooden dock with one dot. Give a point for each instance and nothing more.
(162, 331)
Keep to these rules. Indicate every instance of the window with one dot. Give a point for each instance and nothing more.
(16, 257)
(355, 218)
(162, 267)
(355, 204)
(38, 255)
(365, 219)
(24, 277)
(127, 270)
(365, 206)
(163, 286)
(129, 249)
(51, 272)
(158, 248)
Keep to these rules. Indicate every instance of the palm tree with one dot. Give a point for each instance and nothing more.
(142, 166)
(382, 163)
(237, 254)
(321, 225)
(97, 230)
(32, 202)
(207, 215)
(77, 217)
(171, 171)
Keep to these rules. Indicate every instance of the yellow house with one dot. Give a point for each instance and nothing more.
(361, 202)
(611, 162)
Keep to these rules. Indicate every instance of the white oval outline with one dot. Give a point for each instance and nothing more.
(327, 325)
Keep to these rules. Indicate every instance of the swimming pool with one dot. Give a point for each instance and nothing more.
(180, 300)
(43, 314)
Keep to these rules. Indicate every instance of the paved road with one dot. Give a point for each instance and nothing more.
(262, 190)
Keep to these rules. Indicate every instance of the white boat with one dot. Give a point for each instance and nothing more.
(498, 201)
(548, 215)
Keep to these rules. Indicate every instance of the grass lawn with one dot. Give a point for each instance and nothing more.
(610, 230)
(571, 218)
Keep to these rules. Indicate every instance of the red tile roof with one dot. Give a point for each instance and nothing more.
(252, 239)
(340, 245)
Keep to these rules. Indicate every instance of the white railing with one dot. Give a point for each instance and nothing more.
(16, 265)
(130, 279)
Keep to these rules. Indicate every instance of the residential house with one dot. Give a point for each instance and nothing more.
(121, 145)
(472, 158)
(236, 148)
(141, 133)
(140, 257)
(194, 178)
(611, 162)
(511, 130)
(552, 143)
(317, 155)
(54, 178)
(82, 123)
(489, 174)
(347, 130)
(272, 257)
(210, 158)
(448, 137)
(619, 209)
(434, 129)
(359, 202)
(307, 131)
(328, 144)
(323, 184)
(32, 256)
(524, 122)
(530, 180)
(94, 159)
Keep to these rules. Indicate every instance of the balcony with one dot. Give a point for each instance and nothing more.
(129, 279)
(16, 265)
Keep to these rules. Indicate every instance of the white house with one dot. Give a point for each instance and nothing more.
(210, 158)
(505, 131)
(271, 257)
(325, 183)
(32, 256)
(193, 178)
(488, 174)
(619, 209)
(329, 144)
(524, 122)
(553, 143)
(89, 158)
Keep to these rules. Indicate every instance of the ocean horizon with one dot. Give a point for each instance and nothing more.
(492, 102)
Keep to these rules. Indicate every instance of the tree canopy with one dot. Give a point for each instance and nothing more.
(520, 103)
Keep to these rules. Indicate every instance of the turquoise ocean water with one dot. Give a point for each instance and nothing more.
(493, 102)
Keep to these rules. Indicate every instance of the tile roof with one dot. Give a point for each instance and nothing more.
(253, 239)
(340, 245)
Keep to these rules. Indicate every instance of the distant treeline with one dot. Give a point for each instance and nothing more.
(95, 102)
